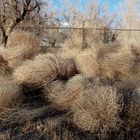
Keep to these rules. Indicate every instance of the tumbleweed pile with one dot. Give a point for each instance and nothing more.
(90, 94)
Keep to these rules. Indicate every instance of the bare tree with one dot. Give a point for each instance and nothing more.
(14, 12)
(131, 18)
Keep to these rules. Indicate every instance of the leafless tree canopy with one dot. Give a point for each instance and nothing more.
(23, 14)
(14, 12)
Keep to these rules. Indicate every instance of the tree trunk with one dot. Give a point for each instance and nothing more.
(6, 33)
(4, 40)
(10, 28)
(4, 36)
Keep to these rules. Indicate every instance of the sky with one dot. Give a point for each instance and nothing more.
(113, 4)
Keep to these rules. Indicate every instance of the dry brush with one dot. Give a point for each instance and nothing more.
(20, 47)
(43, 69)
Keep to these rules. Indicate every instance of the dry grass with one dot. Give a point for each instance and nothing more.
(55, 131)
(3, 66)
(96, 110)
(43, 69)
(49, 130)
(69, 53)
(124, 65)
(5, 136)
(20, 115)
(103, 99)
(20, 47)
(15, 56)
(10, 93)
(72, 45)
(53, 91)
(129, 127)
(87, 58)
(75, 41)
(121, 64)
(1, 45)
(63, 95)
(132, 109)
(18, 38)
(4, 69)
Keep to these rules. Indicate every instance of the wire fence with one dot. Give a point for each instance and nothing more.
(56, 35)
(80, 28)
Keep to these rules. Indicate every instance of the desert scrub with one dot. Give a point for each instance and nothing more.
(20, 47)
(120, 64)
(62, 95)
(97, 109)
(44, 68)
(10, 93)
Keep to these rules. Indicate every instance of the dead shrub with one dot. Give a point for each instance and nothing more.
(10, 95)
(20, 47)
(87, 63)
(75, 41)
(131, 109)
(54, 90)
(52, 129)
(18, 38)
(4, 69)
(5, 136)
(16, 55)
(43, 69)
(69, 53)
(75, 38)
(62, 94)
(96, 110)
(129, 115)
(120, 64)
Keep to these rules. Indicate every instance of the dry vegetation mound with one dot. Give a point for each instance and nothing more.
(88, 89)
(3, 66)
(121, 64)
(97, 109)
(62, 95)
(43, 69)
(10, 93)
(20, 47)
(22, 38)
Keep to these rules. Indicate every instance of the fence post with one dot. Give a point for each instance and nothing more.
(104, 35)
(84, 38)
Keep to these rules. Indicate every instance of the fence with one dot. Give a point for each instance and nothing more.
(56, 36)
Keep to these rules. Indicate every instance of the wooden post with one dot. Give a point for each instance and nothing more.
(104, 35)
(84, 38)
